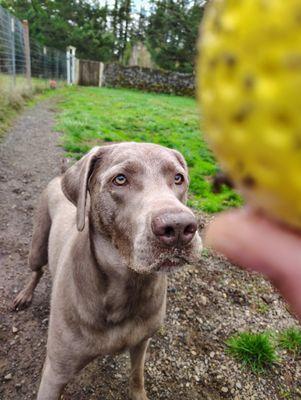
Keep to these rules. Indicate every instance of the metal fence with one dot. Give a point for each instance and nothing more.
(22, 58)
(47, 63)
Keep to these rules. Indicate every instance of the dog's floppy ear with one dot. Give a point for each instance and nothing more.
(75, 183)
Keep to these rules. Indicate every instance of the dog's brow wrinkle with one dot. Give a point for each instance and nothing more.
(168, 166)
(134, 166)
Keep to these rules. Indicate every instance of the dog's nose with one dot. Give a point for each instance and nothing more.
(174, 228)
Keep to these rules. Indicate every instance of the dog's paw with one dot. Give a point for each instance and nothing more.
(23, 299)
(138, 395)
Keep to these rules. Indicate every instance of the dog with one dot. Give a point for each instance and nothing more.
(110, 228)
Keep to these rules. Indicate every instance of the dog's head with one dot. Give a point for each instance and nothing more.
(137, 195)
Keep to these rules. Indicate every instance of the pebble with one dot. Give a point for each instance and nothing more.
(15, 330)
(225, 389)
(203, 300)
(212, 354)
(8, 377)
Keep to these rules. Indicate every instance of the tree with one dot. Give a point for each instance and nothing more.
(172, 33)
(83, 24)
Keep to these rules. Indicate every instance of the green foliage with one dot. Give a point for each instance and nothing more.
(172, 32)
(58, 24)
(91, 116)
(290, 339)
(255, 350)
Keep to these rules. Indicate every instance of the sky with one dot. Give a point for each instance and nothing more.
(135, 3)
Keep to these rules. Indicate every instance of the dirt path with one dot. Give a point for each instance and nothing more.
(187, 358)
(29, 158)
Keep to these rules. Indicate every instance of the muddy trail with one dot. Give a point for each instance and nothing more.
(187, 358)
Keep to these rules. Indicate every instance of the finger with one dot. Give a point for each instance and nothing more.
(250, 240)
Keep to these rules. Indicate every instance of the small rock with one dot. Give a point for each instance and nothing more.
(224, 389)
(212, 354)
(238, 385)
(203, 300)
(8, 377)
(267, 298)
(15, 330)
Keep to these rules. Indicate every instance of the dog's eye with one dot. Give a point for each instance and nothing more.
(179, 179)
(120, 180)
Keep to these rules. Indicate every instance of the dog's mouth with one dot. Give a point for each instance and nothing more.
(166, 263)
(147, 257)
(171, 264)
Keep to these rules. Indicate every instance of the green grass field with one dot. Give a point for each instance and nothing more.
(90, 116)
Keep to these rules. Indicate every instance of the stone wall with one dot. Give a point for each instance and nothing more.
(151, 80)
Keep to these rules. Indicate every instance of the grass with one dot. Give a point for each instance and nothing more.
(290, 340)
(91, 116)
(254, 350)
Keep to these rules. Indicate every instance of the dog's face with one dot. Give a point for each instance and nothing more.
(137, 199)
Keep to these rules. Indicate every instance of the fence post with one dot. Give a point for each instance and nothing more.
(101, 69)
(44, 62)
(57, 65)
(70, 59)
(76, 77)
(27, 51)
(68, 65)
(13, 50)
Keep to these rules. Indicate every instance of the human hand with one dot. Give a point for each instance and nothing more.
(256, 243)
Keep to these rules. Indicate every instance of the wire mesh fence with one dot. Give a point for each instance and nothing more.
(24, 61)
(47, 63)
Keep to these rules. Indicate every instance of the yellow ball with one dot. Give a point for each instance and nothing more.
(249, 87)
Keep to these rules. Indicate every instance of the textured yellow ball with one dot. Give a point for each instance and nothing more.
(249, 85)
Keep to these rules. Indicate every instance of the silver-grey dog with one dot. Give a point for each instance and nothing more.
(109, 228)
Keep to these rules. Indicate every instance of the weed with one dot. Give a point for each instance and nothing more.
(290, 339)
(255, 350)
(285, 394)
(261, 307)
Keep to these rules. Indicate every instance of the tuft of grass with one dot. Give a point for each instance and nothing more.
(254, 350)
(290, 339)
(261, 307)
(285, 394)
(91, 116)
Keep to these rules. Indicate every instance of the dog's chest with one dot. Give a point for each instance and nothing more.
(127, 320)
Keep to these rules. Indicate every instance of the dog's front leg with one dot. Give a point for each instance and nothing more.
(137, 354)
(52, 383)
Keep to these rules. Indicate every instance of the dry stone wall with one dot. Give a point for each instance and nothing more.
(147, 79)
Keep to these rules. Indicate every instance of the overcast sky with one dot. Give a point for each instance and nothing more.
(135, 3)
